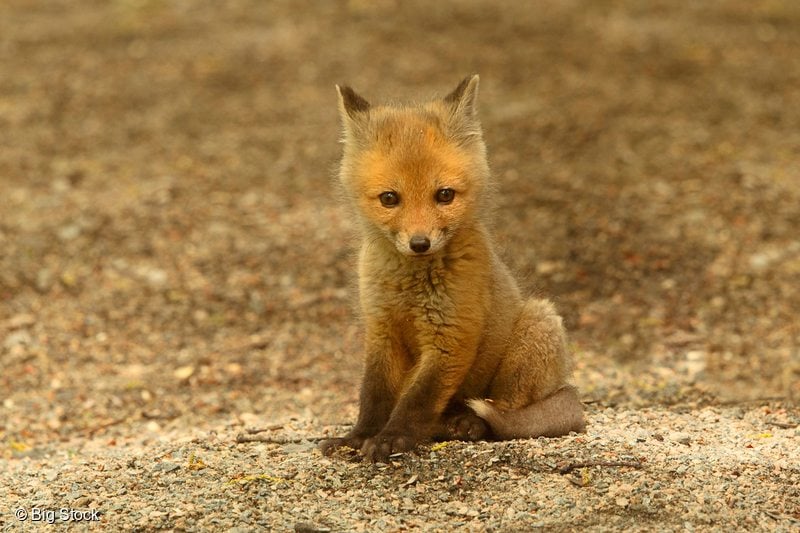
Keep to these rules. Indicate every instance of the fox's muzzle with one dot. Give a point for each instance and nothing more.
(419, 244)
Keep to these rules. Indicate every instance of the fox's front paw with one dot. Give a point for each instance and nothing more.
(328, 446)
(377, 449)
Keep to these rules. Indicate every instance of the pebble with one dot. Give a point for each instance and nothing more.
(166, 466)
(21, 320)
(680, 438)
(17, 338)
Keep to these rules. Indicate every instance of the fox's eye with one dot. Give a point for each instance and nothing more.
(445, 196)
(389, 199)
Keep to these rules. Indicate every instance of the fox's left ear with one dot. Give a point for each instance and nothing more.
(464, 98)
(463, 104)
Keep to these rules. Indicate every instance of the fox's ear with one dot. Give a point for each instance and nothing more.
(462, 106)
(351, 104)
(464, 98)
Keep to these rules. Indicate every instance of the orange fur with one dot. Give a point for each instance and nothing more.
(445, 321)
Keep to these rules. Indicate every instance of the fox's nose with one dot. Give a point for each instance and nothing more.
(419, 243)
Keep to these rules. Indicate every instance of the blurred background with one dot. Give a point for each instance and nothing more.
(173, 251)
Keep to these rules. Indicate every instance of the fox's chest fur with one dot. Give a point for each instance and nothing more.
(420, 300)
(408, 287)
(430, 284)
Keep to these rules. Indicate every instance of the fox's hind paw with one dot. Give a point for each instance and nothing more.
(466, 426)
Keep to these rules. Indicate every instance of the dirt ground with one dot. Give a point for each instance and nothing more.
(176, 267)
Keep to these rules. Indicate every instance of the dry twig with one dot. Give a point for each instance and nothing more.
(570, 467)
(241, 437)
(782, 425)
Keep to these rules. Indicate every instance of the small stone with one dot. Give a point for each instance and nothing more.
(156, 277)
(44, 280)
(183, 372)
(70, 232)
(69, 278)
(680, 438)
(166, 466)
(21, 320)
(17, 338)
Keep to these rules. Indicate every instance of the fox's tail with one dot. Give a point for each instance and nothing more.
(556, 415)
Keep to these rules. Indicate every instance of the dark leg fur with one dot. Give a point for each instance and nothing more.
(376, 405)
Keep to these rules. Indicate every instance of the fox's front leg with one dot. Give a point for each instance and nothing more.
(378, 390)
(437, 376)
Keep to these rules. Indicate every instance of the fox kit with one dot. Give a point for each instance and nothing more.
(453, 350)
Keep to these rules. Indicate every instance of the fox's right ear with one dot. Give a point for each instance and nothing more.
(351, 104)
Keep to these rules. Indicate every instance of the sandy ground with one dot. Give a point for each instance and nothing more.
(175, 267)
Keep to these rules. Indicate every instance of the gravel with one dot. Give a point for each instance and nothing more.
(726, 467)
(177, 327)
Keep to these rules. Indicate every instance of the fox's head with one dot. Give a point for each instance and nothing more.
(416, 174)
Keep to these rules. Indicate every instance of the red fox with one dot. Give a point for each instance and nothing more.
(453, 350)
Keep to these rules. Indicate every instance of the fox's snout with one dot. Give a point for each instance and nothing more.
(419, 243)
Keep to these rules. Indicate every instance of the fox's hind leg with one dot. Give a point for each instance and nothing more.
(537, 362)
(530, 392)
